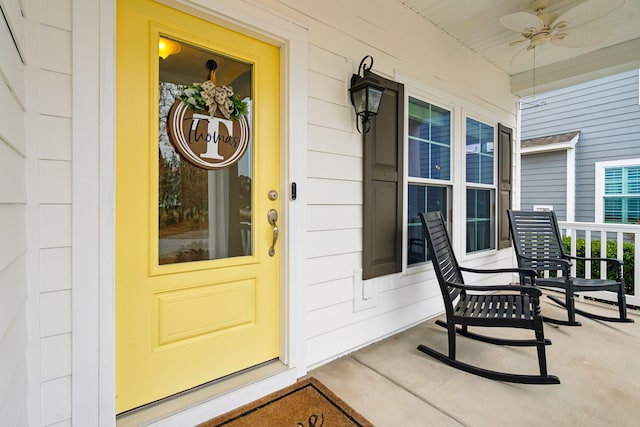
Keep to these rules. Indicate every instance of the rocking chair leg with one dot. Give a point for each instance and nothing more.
(557, 321)
(570, 304)
(622, 303)
(542, 358)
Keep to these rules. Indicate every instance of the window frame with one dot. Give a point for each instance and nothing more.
(599, 192)
(456, 220)
(493, 188)
(426, 182)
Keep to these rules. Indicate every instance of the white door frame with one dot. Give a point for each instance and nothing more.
(93, 197)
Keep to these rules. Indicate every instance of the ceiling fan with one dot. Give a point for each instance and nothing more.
(566, 30)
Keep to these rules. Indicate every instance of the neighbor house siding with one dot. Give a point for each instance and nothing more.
(607, 114)
(544, 181)
(14, 333)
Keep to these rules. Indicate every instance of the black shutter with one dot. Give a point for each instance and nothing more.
(505, 144)
(383, 178)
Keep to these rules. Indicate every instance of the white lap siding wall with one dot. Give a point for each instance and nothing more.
(340, 34)
(35, 213)
(54, 189)
(13, 210)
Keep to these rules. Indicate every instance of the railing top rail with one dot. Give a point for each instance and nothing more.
(624, 228)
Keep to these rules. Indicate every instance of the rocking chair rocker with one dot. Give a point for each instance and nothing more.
(538, 245)
(514, 306)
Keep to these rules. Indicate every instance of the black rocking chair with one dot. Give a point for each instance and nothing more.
(538, 245)
(514, 306)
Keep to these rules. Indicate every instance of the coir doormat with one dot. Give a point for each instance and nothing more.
(308, 403)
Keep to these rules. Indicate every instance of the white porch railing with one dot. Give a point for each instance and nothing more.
(619, 233)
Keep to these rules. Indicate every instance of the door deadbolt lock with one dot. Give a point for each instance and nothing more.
(273, 195)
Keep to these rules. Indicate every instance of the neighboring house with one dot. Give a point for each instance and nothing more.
(128, 274)
(580, 151)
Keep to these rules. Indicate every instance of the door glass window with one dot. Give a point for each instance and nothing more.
(204, 155)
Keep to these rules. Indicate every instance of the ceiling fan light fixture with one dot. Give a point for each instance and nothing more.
(571, 29)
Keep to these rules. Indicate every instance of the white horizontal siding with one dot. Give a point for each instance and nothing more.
(54, 181)
(322, 295)
(55, 13)
(54, 96)
(56, 401)
(12, 298)
(55, 357)
(55, 269)
(54, 138)
(47, 152)
(333, 242)
(327, 140)
(340, 34)
(54, 49)
(55, 226)
(12, 166)
(334, 217)
(13, 227)
(11, 65)
(11, 119)
(334, 166)
(331, 268)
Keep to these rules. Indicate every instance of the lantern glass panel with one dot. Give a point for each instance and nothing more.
(373, 99)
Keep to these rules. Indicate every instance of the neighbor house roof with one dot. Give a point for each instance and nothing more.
(561, 141)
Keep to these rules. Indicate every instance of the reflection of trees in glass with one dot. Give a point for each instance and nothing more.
(193, 195)
(244, 198)
(169, 180)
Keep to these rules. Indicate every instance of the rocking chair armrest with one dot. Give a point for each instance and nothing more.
(580, 258)
(526, 289)
(526, 271)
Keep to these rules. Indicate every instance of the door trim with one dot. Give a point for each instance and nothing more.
(93, 198)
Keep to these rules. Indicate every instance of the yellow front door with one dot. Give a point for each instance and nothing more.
(197, 183)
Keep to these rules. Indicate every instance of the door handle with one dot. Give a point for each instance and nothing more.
(272, 217)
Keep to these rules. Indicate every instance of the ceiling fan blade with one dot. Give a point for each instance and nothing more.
(521, 21)
(582, 36)
(587, 12)
(517, 42)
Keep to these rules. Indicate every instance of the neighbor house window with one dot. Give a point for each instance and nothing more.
(480, 179)
(622, 194)
(429, 170)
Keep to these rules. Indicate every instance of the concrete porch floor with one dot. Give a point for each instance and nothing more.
(393, 384)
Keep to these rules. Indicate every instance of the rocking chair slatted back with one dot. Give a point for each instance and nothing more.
(448, 270)
(538, 239)
(539, 246)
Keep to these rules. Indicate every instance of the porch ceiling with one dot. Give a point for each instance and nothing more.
(475, 25)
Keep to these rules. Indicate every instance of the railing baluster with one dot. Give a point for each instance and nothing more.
(594, 231)
(587, 253)
(603, 253)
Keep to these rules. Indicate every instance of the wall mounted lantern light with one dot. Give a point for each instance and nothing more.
(366, 93)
